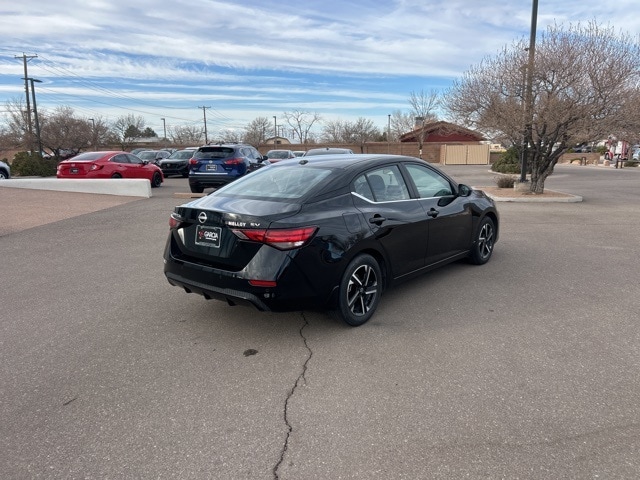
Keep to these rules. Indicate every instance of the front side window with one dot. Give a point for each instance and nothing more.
(382, 185)
(428, 182)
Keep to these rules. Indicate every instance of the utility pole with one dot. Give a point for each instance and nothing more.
(204, 112)
(25, 59)
(164, 126)
(35, 114)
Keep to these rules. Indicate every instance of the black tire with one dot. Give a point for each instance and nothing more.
(360, 290)
(156, 180)
(3, 175)
(195, 189)
(485, 240)
(116, 175)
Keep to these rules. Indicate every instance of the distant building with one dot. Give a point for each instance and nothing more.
(442, 132)
(277, 141)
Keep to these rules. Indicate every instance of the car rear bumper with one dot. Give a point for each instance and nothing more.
(210, 180)
(231, 296)
(294, 290)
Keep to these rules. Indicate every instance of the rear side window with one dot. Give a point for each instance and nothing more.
(214, 152)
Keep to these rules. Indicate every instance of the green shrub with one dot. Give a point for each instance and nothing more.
(509, 162)
(26, 165)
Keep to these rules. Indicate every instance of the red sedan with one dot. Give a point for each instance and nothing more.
(112, 164)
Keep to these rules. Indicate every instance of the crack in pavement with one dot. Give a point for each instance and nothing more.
(301, 380)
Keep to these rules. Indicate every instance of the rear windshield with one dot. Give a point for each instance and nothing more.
(214, 152)
(290, 182)
(88, 156)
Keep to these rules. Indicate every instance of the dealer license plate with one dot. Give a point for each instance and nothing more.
(73, 170)
(208, 236)
(212, 168)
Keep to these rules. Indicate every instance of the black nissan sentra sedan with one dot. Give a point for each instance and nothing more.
(329, 232)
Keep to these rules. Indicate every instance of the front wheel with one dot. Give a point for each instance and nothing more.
(116, 175)
(360, 290)
(485, 240)
(156, 180)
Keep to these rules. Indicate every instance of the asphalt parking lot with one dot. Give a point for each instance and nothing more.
(526, 367)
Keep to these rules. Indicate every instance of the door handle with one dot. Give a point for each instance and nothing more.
(433, 213)
(377, 219)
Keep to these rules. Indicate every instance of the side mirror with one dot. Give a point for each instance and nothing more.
(464, 190)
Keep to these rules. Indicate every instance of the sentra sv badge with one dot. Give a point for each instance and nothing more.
(202, 217)
(208, 236)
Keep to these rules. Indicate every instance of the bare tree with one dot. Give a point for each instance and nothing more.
(423, 108)
(363, 131)
(401, 123)
(63, 130)
(301, 122)
(584, 87)
(333, 131)
(186, 135)
(230, 135)
(17, 129)
(127, 128)
(101, 133)
(256, 131)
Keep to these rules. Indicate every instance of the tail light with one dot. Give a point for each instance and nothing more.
(94, 167)
(175, 220)
(282, 239)
(193, 161)
(234, 161)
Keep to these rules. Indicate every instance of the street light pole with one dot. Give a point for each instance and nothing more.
(528, 102)
(164, 125)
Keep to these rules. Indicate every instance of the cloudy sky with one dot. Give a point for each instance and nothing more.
(247, 58)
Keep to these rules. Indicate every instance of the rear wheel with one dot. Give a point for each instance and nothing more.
(156, 180)
(116, 175)
(360, 290)
(485, 239)
(195, 189)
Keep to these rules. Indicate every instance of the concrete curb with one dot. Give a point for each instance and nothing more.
(534, 199)
(126, 187)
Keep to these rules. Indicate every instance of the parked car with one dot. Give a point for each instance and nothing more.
(328, 232)
(328, 151)
(177, 163)
(153, 156)
(275, 156)
(5, 171)
(136, 151)
(298, 153)
(217, 165)
(110, 164)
